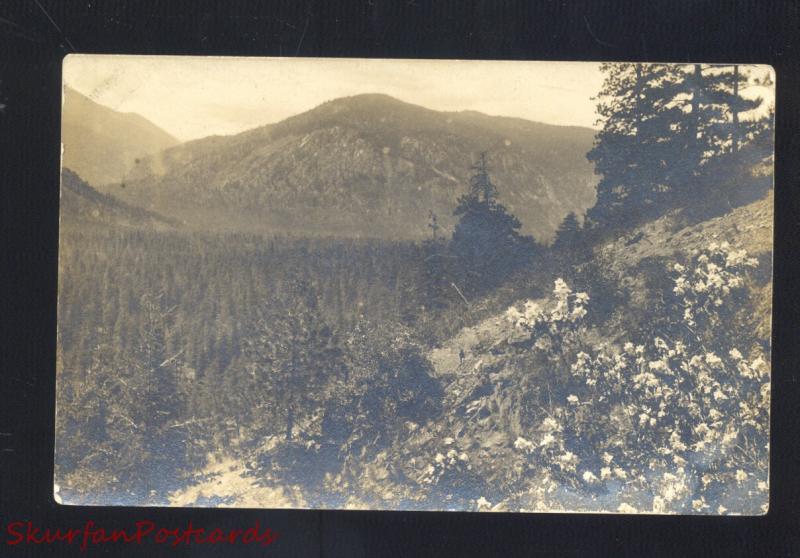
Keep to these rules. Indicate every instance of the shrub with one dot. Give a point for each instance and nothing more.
(678, 424)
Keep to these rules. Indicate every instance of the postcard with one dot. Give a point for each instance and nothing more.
(415, 285)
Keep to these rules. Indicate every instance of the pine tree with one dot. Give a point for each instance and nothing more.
(486, 239)
(567, 232)
(293, 357)
(158, 395)
(632, 151)
(570, 247)
(726, 142)
(663, 128)
(435, 270)
(480, 183)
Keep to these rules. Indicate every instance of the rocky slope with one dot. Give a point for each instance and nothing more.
(368, 165)
(749, 227)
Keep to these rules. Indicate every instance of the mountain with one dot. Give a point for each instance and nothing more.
(101, 144)
(367, 166)
(81, 204)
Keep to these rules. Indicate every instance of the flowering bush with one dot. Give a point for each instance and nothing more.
(444, 463)
(553, 326)
(450, 477)
(450, 461)
(711, 277)
(676, 423)
(568, 309)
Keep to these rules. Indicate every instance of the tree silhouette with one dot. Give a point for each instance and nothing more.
(633, 151)
(668, 132)
(567, 232)
(436, 272)
(486, 239)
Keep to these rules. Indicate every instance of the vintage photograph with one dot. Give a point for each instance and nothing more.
(415, 285)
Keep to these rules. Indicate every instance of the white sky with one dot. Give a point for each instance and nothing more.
(193, 97)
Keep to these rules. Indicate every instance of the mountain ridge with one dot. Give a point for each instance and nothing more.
(367, 166)
(102, 144)
(81, 204)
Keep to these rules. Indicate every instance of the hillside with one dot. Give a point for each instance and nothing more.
(473, 443)
(483, 403)
(368, 165)
(82, 204)
(101, 144)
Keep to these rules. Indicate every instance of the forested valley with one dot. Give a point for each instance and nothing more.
(622, 366)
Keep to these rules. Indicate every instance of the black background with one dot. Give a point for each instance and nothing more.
(36, 34)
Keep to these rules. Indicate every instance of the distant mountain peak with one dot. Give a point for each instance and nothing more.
(367, 97)
(102, 144)
(365, 105)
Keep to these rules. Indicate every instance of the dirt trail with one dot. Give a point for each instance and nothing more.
(476, 342)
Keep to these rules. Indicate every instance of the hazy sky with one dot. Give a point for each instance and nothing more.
(193, 97)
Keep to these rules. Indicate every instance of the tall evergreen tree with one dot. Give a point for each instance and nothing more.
(570, 247)
(436, 270)
(486, 239)
(662, 126)
(568, 231)
(629, 152)
(293, 357)
(725, 141)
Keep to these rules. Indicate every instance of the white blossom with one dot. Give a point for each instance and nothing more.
(659, 506)
(589, 477)
(560, 288)
(547, 439)
(712, 359)
(522, 444)
(482, 504)
(699, 504)
(549, 423)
